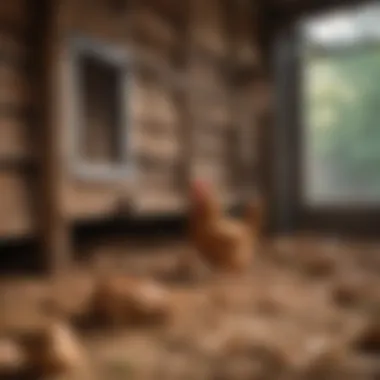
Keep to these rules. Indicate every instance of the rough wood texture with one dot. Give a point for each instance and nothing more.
(208, 27)
(181, 117)
(14, 90)
(159, 45)
(54, 232)
(17, 216)
(150, 35)
(224, 108)
(15, 12)
(13, 50)
(14, 142)
(15, 206)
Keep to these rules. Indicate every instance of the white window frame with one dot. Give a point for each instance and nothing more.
(118, 58)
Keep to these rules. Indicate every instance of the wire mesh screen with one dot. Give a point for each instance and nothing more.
(340, 55)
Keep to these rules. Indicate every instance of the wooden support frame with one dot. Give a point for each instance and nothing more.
(184, 105)
(54, 231)
(245, 121)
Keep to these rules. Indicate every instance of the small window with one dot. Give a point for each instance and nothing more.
(99, 110)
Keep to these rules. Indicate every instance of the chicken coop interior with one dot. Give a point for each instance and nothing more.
(130, 250)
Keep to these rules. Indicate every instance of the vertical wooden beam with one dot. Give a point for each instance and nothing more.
(184, 101)
(54, 229)
(237, 109)
(255, 118)
(245, 76)
(268, 25)
(193, 90)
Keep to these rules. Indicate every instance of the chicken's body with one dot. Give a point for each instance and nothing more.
(124, 299)
(224, 243)
(55, 350)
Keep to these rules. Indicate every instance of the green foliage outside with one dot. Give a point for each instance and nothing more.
(342, 115)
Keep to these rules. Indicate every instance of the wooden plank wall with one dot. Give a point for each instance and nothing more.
(186, 58)
(159, 34)
(16, 103)
(222, 49)
(152, 34)
(193, 104)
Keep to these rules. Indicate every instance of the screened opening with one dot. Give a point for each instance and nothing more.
(340, 110)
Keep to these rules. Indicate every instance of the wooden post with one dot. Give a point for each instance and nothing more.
(184, 103)
(54, 229)
(244, 76)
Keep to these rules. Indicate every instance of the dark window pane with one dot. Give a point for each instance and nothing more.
(100, 91)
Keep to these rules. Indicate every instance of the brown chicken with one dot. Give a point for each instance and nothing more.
(120, 299)
(54, 349)
(224, 243)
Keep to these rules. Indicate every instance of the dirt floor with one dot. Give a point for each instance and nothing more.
(308, 309)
